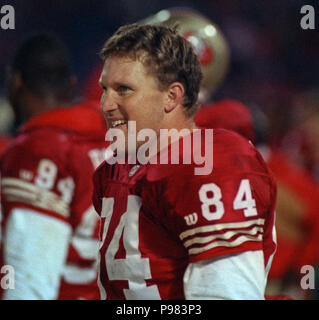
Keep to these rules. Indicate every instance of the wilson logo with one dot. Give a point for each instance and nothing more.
(191, 219)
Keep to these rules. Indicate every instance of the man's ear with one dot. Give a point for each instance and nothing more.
(175, 95)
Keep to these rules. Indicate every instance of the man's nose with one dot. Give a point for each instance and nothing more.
(108, 103)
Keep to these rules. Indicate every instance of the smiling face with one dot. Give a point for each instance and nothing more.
(131, 94)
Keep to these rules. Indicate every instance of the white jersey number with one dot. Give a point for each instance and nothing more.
(211, 197)
(46, 178)
(133, 268)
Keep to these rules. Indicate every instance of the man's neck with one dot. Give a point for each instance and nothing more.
(173, 133)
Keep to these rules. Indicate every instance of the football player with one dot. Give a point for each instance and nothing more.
(50, 227)
(167, 233)
(207, 40)
(294, 209)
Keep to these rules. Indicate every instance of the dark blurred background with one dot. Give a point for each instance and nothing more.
(274, 71)
(272, 57)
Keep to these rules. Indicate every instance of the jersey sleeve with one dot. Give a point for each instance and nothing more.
(227, 211)
(35, 175)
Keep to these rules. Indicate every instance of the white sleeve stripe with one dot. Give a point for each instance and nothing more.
(14, 182)
(16, 190)
(224, 236)
(19, 194)
(229, 244)
(56, 205)
(221, 226)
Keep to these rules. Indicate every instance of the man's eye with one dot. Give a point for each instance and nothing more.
(123, 89)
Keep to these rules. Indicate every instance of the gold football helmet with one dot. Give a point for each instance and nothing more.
(207, 40)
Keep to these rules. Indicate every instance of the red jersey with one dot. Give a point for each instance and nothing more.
(49, 168)
(305, 190)
(227, 114)
(4, 142)
(158, 218)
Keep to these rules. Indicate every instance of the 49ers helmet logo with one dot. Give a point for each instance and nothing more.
(207, 40)
(201, 48)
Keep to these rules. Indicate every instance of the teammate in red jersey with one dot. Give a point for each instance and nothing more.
(50, 225)
(167, 233)
(212, 49)
(296, 210)
(227, 114)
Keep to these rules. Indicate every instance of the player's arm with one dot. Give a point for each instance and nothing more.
(237, 276)
(36, 195)
(222, 224)
(36, 246)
